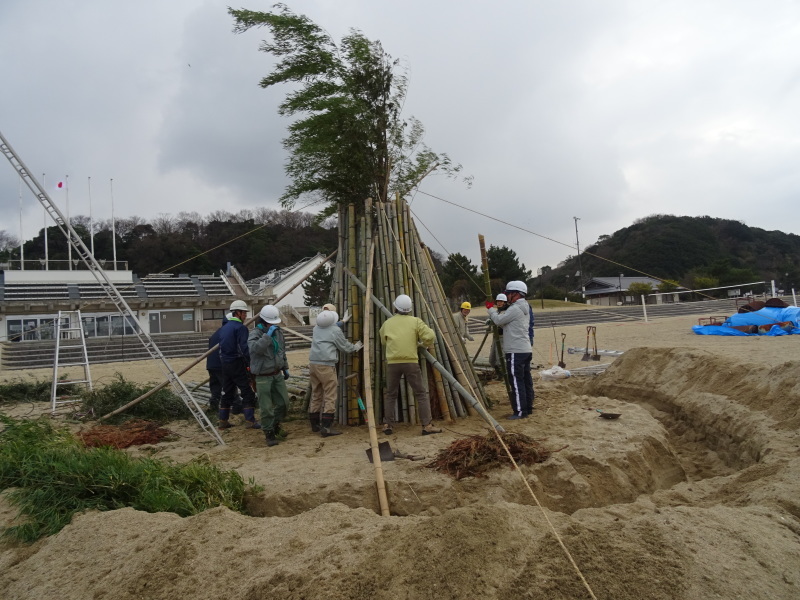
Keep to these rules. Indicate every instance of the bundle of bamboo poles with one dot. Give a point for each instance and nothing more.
(402, 265)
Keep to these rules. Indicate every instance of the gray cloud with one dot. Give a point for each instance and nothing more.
(605, 111)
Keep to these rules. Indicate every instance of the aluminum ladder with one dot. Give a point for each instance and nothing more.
(111, 290)
(70, 341)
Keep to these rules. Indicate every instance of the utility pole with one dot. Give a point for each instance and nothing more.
(580, 265)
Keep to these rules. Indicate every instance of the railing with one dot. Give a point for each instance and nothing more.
(40, 264)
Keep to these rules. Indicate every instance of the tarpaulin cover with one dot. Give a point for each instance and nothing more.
(759, 318)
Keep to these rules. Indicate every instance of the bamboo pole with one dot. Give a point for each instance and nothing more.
(432, 360)
(383, 500)
(501, 361)
(206, 354)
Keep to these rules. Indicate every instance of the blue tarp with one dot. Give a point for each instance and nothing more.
(759, 318)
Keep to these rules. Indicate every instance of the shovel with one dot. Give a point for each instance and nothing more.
(561, 363)
(586, 356)
(384, 452)
(595, 356)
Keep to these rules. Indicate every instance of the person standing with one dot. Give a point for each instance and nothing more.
(400, 336)
(500, 303)
(326, 343)
(235, 357)
(461, 321)
(271, 370)
(214, 367)
(517, 347)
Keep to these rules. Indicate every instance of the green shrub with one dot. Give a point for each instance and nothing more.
(52, 477)
(163, 406)
(20, 390)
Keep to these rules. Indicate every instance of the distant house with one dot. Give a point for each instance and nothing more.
(613, 291)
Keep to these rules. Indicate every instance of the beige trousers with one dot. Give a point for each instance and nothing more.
(323, 388)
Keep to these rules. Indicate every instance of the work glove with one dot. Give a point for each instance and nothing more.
(261, 327)
(347, 316)
(489, 304)
(286, 374)
(271, 330)
(359, 345)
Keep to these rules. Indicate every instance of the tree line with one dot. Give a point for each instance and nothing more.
(255, 241)
(693, 252)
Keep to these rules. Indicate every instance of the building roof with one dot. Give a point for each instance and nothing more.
(613, 285)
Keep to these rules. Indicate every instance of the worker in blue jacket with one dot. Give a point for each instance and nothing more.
(235, 356)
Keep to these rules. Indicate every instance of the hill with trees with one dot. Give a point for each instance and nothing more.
(695, 252)
(255, 241)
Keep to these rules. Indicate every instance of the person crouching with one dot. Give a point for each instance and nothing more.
(271, 370)
(326, 343)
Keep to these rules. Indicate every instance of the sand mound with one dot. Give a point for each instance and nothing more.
(692, 493)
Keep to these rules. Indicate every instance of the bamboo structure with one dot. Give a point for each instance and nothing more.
(401, 264)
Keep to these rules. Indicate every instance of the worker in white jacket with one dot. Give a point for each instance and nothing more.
(517, 347)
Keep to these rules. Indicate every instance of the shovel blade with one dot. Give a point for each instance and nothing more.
(585, 357)
(385, 452)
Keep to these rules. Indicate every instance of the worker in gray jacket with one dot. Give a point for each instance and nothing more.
(326, 343)
(517, 347)
(270, 368)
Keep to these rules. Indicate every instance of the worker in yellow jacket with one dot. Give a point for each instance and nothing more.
(401, 336)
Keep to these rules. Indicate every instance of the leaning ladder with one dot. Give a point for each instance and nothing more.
(70, 352)
(111, 290)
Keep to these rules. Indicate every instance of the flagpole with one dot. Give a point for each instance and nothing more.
(69, 222)
(113, 226)
(44, 211)
(91, 222)
(21, 236)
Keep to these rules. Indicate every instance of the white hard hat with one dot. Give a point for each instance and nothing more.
(502, 297)
(329, 307)
(517, 286)
(270, 314)
(403, 304)
(239, 305)
(327, 318)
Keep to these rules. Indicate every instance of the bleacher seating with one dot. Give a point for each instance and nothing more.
(23, 292)
(214, 285)
(89, 291)
(167, 285)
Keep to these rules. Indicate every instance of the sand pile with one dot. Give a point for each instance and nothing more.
(693, 493)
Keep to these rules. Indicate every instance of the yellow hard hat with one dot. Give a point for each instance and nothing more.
(466, 305)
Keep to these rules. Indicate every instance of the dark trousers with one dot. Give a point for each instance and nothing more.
(215, 385)
(519, 375)
(234, 375)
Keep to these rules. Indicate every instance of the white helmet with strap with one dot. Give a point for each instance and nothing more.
(270, 314)
(327, 318)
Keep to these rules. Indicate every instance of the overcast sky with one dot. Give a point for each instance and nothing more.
(604, 110)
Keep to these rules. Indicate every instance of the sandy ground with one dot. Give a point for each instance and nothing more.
(692, 493)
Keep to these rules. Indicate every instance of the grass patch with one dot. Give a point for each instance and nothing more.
(34, 390)
(163, 406)
(52, 476)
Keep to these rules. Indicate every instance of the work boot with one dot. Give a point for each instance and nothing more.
(222, 416)
(326, 427)
(280, 432)
(314, 420)
(429, 429)
(270, 435)
(250, 418)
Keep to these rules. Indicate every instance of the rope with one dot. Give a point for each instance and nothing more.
(502, 442)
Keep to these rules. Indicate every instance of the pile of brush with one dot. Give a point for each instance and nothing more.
(135, 432)
(474, 456)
